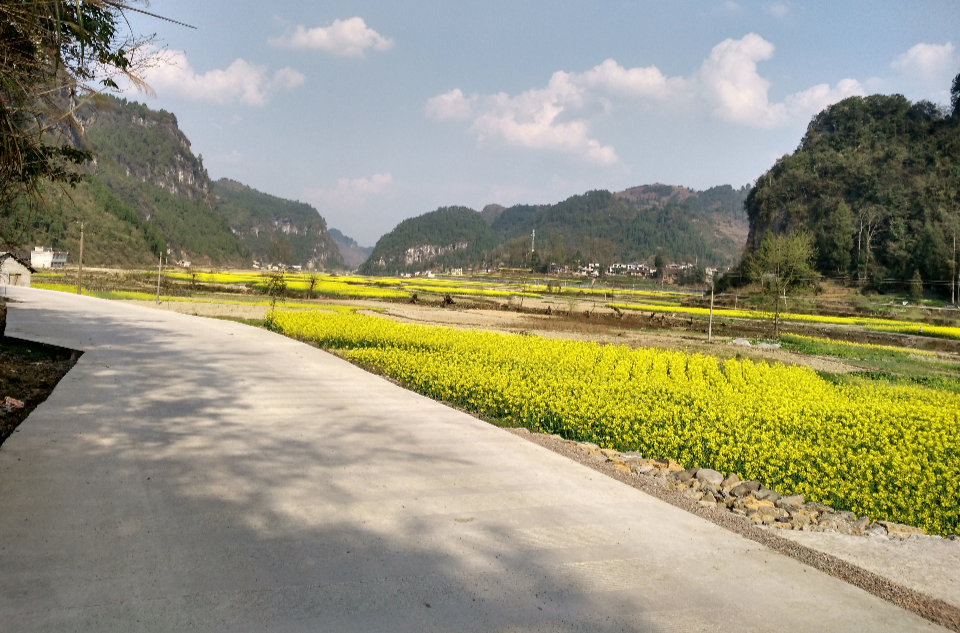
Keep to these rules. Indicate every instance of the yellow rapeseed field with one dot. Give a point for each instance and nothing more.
(870, 323)
(891, 452)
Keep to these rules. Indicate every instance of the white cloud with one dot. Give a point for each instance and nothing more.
(729, 75)
(557, 117)
(731, 6)
(347, 38)
(352, 193)
(250, 84)
(450, 106)
(927, 62)
(615, 80)
(534, 119)
(777, 9)
(729, 81)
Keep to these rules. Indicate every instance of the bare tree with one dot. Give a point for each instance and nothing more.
(783, 263)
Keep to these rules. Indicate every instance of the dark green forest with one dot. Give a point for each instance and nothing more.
(276, 230)
(875, 180)
(443, 228)
(598, 226)
(147, 194)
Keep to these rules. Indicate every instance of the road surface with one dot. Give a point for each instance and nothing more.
(191, 474)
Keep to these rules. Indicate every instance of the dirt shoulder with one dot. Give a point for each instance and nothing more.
(29, 372)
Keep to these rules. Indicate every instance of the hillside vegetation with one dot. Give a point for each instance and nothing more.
(598, 226)
(449, 237)
(875, 180)
(147, 194)
(276, 230)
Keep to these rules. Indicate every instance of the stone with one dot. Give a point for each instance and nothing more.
(685, 476)
(609, 452)
(709, 476)
(899, 530)
(848, 516)
(800, 521)
(767, 494)
(755, 504)
(662, 464)
(731, 482)
(770, 512)
(690, 493)
(646, 469)
(875, 529)
(745, 488)
(792, 502)
(589, 448)
(597, 457)
(674, 466)
(621, 467)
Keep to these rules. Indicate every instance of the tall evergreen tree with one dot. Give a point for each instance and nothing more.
(841, 239)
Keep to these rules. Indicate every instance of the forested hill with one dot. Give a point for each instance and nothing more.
(276, 230)
(876, 181)
(449, 237)
(633, 225)
(147, 194)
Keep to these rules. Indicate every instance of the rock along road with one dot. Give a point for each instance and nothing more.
(199, 475)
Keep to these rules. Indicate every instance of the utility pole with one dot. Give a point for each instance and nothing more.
(80, 269)
(710, 326)
(159, 271)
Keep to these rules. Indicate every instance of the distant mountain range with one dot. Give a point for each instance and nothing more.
(353, 254)
(147, 194)
(709, 227)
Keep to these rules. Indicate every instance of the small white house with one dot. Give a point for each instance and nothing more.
(41, 257)
(14, 271)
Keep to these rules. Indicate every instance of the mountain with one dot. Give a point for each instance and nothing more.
(147, 194)
(276, 230)
(876, 180)
(449, 236)
(352, 253)
(707, 226)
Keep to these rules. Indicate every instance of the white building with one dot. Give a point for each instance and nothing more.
(14, 271)
(41, 257)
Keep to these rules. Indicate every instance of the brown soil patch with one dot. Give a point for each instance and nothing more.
(29, 372)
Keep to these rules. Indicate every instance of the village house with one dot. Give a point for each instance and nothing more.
(14, 271)
(41, 257)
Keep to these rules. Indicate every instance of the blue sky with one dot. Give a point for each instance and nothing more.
(378, 111)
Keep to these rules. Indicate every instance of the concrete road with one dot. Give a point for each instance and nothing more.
(199, 475)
